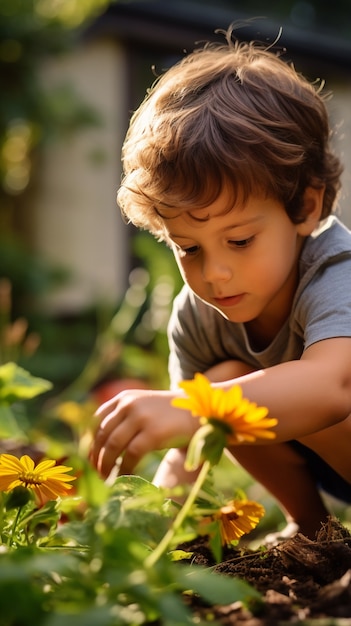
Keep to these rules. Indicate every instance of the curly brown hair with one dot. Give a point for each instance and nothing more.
(231, 114)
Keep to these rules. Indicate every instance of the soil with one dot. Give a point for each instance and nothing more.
(301, 581)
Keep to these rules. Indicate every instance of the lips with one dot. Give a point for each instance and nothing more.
(229, 300)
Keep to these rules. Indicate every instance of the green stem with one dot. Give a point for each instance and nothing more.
(10, 542)
(184, 511)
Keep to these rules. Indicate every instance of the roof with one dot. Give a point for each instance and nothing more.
(178, 24)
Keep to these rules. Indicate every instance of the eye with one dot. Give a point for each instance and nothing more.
(189, 251)
(241, 243)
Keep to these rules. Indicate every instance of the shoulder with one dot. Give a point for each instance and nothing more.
(326, 258)
(322, 305)
(329, 241)
(330, 245)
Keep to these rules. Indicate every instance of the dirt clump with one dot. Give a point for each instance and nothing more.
(300, 580)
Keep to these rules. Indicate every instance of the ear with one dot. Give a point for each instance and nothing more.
(311, 210)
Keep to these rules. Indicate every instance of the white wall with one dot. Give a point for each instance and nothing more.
(76, 223)
(340, 114)
(75, 219)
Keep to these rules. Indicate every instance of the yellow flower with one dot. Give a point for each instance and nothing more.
(47, 480)
(238, 518)
(74, 413)
(245, 419)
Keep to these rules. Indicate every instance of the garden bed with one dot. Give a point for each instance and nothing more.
(302, 581)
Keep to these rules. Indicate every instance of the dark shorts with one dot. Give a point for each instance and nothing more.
(326, 478)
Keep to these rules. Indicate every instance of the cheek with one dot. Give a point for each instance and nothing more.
(191, 275)
(181, 266)
(285, 262)
(187, 274)
(273, 264)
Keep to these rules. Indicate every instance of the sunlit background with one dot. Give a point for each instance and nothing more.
(84, 298)
(72, 72)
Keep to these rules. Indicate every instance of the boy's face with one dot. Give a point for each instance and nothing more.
(242, 262)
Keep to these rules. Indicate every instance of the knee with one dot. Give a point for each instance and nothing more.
(228, 370)
(275, 455)
(171, 471)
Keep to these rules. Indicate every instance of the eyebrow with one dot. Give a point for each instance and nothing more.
(247, 222)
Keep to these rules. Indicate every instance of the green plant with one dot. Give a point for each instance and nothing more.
(93, 570)
(71, 561)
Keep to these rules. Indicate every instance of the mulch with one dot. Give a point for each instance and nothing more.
(301, 581)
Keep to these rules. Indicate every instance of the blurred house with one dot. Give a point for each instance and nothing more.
(76, 221)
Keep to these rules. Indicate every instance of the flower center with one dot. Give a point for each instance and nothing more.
(229, 512)
(31, 478)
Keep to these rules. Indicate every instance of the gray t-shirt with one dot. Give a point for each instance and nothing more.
(199, 336)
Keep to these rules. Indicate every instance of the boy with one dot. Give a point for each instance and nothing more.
(228, 161)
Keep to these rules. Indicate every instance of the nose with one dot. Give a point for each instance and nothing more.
(215, 269)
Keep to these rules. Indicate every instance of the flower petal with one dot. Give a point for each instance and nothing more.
(43, 466)
(46, 480)
(238, 518)
(246, 420)
(10, 462)
(27, 463)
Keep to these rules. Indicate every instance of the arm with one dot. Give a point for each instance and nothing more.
(305, 396)
(137, 421)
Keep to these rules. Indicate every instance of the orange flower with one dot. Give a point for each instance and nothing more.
(238, 518)
(47, 480)
(245, 419)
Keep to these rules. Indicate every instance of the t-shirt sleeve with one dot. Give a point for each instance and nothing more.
(324, 307)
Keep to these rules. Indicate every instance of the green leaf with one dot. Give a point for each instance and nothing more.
(215, 442)
(196, 446)
(181, 555)
(207, 444)
(137, 487)
(137, 504)
(48, 515)
(9, 428)
(173, 611)
(18, 384)
(90, 617)
(75, 533)
(24, 573)
(18, 497)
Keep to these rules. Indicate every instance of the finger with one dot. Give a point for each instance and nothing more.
(134, 452)
(106, 408)
(103, 432)
(122, 397)
(117, 442)
(113, 413)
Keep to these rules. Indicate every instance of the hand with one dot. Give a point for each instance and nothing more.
(136, 422)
